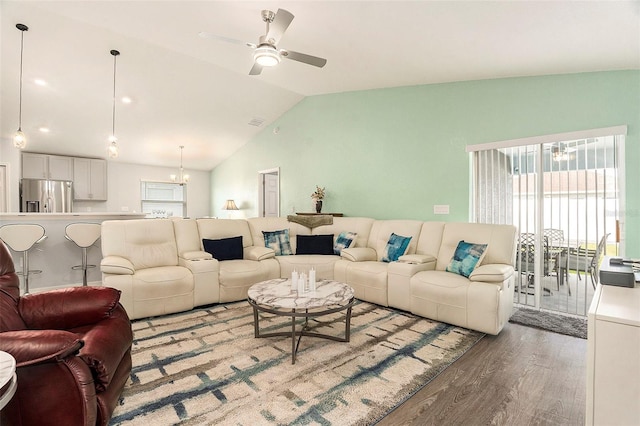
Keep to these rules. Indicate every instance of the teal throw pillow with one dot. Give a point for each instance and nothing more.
(344, 240)
(278, 241)
(466, 257)
(396, 247)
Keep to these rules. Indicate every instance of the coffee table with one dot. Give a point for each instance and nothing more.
(276, 297)
(8, 378)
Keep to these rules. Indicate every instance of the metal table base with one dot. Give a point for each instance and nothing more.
(306, 314)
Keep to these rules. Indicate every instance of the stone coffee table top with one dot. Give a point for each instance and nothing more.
(277, 293)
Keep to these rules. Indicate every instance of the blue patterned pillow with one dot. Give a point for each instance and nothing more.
(466, 258)
(344, 240)
(278, 241)
(396, 247)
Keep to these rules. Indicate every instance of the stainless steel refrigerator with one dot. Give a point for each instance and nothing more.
(46, 196)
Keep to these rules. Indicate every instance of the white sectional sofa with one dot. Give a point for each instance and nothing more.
(161, 266)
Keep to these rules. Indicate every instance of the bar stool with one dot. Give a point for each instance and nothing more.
(21, 238)
(84, 235)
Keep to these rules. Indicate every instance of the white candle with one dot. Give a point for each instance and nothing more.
(312, 280)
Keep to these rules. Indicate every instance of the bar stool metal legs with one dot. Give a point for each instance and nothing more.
(21, 238)
(84, 235)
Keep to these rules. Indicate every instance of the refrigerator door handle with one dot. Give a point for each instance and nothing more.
(49, 206)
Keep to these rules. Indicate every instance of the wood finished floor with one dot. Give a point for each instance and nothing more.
(523, 376)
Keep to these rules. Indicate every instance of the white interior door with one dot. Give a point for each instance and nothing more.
(269, 198)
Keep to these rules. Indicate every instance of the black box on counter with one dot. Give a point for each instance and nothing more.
(614, 271)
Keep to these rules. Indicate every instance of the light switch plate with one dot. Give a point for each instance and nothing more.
(441, 209)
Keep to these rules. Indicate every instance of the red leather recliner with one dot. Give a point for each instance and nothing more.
(72, 349)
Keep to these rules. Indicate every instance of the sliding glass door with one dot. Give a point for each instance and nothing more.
(564, 198)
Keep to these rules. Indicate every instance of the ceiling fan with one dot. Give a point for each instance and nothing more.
(266, 52)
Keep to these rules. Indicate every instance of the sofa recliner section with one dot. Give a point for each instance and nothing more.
(140, 258)
(484, 300)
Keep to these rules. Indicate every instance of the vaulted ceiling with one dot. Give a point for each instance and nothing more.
(196, 92)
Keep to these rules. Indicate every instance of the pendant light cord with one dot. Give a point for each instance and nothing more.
(21, 55)
(115, 54)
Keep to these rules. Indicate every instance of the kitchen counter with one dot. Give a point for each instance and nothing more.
(56, 255)
(66, 216)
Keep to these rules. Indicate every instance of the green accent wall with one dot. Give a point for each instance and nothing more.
(395, 153)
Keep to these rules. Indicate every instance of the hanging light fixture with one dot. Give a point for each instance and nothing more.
(181, 178)
(112, 150)
(19, 139)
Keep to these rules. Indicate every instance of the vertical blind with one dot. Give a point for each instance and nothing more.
(564, 196)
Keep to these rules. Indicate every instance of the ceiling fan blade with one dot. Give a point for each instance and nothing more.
(256, 69)
(304, 58)
(206, 35)
(279, 25)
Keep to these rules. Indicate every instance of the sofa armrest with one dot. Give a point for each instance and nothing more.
(492, 273)
(30, 347)
(117, 265)
(258, 253)
(68, 308)
(359, 254)
(196, 255)
(416, 258)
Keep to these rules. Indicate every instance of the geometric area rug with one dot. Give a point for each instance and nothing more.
(205, 367)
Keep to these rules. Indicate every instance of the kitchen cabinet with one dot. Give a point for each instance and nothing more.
(89, 179)
(44, 166)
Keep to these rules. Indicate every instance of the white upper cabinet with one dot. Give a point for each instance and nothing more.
(43, 166)
(90, 179)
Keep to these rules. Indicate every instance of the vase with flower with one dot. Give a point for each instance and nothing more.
(317, 198)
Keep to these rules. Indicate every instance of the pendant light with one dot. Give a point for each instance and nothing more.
(113, 147)
(181, 178)
(19, 139)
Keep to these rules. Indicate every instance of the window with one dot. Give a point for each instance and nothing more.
(564, 195)
(163, 199)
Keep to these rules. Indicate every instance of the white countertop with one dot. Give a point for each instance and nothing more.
(72, 215)
(619, 304)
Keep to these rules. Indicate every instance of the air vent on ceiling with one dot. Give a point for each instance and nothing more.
(257, 122)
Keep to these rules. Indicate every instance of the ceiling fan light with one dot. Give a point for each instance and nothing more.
(266, 56)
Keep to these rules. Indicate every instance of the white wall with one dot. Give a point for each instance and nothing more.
(124, 189)
(11, 158)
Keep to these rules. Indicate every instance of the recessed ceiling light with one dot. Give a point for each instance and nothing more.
(126, 100)
(44, 129)
(40, 82)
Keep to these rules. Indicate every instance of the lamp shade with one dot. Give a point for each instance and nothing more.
(230, 205)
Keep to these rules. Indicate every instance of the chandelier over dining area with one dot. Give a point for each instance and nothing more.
(181, 177)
